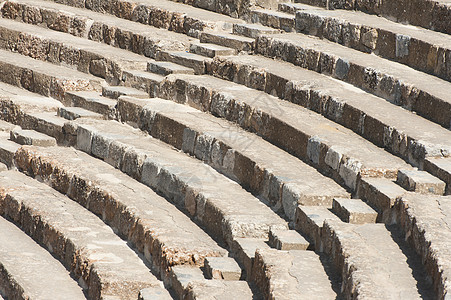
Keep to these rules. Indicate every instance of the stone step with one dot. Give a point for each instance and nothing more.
(32, 111)
(42, 77)
(429, 14)
(326, 145)
(210, 50)
(405, 44)
(381, 194)
(253, 30)
(292, 8)
(399, 84)
(244, 250)
(440, 167)
(117, 32)
(425, 220)
(165, 14)
(310, 220)
(293, 274)
(372, 263)
(186, 181)
(377, 120)
(7, 150)
(420, 182)
(189, 283)
(153, 294)
(142, 80)
(93, 101)
(31, 137)
(165, 68)
(287, 240)
(275, 19)
(260, 167)
(114, 92)
(200, 64)
(95, 256)
(72, 113)
(224, 268)
(78, 53)
(239, 43)
(30, 272)
(165, 236)
(353, 211)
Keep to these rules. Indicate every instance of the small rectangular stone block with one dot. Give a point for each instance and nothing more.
(72, 113)
(253, 30)
(182, 276)
(7, 151)
(154, 293)
(166, 68)
(354, 211)
(310, 220)
(420, 182)
(287, 240)
(31, 137)
(244, 250)
(211, 50)
(115, 92)
(222, 268)
(237, 42)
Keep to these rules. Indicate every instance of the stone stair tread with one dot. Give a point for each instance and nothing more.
(432, 14)
(395, 117)
(91, 100)
(193, 12)
(420, 182)
(373, 259)
(28, 100)
(152, 33)
(190, 60)
(165, 68)
(124, 58)
(7, 150)
(373, 21)
(253, 30)
(30, 271)
(282, 166)
(274, 19)
(294, 274)
(154, 293)
(211, 50)
(354, 211)
(429, 215)
(165, 229)
(291, 8)
(61, 78)
(225, 39)
(97, 246)
(441, 168)
(31, 137)
(303, 120)
(235, 207)
(73, 112)
(220, 289)
(114, 92)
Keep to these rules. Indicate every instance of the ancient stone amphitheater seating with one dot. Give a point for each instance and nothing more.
(215, 149)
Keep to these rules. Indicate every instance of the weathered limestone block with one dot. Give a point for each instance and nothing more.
(225, 268)
(354, 211)
(420, 182)
(287, 240)
(31, 137)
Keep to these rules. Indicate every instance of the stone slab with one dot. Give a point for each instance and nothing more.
(225, 268)
(165, 68)
(104, 264)
(420, 182)
(294, 274)
(287, 240)
(72, 113)
(211, 50)
(29, 271)
(31, 137)
(353, 211)
(114, 92)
